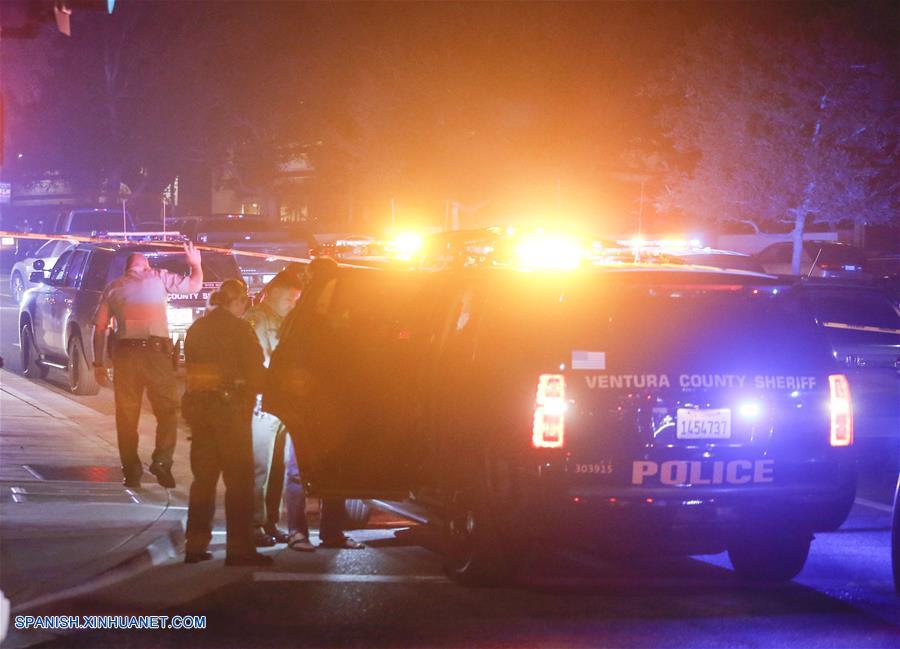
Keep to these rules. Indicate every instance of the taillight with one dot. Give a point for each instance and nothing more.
(550, 412)
(841, 411)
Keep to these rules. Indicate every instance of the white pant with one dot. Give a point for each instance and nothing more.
(264, 428)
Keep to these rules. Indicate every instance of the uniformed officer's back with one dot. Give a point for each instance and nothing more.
(224, 372)
(222, 353)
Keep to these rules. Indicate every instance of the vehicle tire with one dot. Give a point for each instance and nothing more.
(775, 556)
(474, 554)
(31, 369)
(17, 287)
(357, 514)
(81, 374)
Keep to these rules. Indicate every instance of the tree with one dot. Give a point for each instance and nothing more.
(792, 125)
(121, 101)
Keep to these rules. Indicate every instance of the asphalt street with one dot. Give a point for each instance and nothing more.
(393, 593)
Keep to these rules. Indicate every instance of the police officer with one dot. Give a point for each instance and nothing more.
(224, 374)
(280, 296)
(142, 358)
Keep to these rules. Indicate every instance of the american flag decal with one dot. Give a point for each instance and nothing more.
(584, 360)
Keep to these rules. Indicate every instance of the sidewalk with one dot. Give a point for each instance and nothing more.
(67, 524)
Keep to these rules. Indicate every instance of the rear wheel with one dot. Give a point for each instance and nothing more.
(81, 375)
(17, 287)
(475, 555)
(772, 556)
(29, 355)
(357, 514)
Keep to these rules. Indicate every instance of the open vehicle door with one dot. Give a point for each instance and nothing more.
(341, 380)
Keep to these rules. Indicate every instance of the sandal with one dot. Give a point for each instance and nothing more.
(342, 542)
(300, 543)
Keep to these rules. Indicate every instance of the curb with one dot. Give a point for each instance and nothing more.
(161, 548)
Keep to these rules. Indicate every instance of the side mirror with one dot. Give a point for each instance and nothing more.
(38, 264)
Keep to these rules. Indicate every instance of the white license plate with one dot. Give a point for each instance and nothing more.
(704, 424)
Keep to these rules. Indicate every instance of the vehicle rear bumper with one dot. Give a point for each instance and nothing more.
(683, 520)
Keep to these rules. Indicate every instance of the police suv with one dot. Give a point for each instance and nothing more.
(56, 319)
(632, 409)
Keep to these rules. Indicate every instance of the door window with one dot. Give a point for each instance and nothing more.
(75, 268)
(59, 270)
(780, 253)
(97, 272)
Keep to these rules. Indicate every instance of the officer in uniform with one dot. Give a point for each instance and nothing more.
(280, 296)
(142, 358)
(224, 374)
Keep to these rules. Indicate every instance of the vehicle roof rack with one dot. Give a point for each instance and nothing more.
(138, 236)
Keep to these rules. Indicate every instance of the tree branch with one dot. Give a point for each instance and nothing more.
(752, 224)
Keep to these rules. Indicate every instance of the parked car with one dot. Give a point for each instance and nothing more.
(93, 221)
(263, 238)
(819, 259)
(20, 275)
(886, 271)
(56, 318)
(631, 409)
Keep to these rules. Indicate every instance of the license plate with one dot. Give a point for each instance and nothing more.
(704, 424)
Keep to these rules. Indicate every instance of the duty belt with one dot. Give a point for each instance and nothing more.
(154, 343)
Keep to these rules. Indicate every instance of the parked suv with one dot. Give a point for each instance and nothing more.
(56, 319)
(636, 410)
(267, 241)
(92, 221)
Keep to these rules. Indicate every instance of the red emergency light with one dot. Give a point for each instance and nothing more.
(841, 410)
(549, 429)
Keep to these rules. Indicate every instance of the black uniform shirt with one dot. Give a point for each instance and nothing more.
(221, 352)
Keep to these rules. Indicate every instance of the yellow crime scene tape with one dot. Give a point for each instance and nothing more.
(152, 242)
(844, 325)
(177, 245)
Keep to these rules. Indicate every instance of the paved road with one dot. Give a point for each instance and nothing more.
(393, 594)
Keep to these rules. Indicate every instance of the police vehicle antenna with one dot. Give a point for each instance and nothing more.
(815, 261)
(641, 211)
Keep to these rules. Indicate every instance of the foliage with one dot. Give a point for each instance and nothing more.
(790, 124)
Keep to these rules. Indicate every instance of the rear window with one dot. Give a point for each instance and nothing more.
(87, 222)
(855, 308)
(238, 225)
(369, 302)
(832, 253)
(258, 263)
(640, 322)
